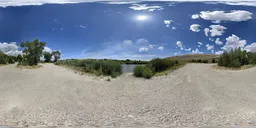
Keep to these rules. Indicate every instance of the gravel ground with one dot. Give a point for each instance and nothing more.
(195, 95)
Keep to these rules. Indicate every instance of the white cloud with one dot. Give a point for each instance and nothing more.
(179, 44)
(219, 16)
(142, 41)
(233, 42)
(10, 49)
(143, 49)
(161, 48)
(140, 7)
(127, 42)
(251, 47)
(173, 28)
(209, 47)
(195, 27)
(5, 3)
(218, 52)
(217, 41)
(151, 46)
(200, 43)
(206, 31)
(167, 22)
(47, 49)
(195, 16)
(189, 49)
(176, 53)
(81, 26)
(196, 51)
(215, 30)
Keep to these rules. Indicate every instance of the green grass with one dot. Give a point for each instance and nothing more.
(166, 72)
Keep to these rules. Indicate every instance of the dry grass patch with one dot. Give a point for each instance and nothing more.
(244, 67)
(29, 67)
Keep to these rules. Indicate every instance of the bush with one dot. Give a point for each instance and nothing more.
(213, 60)
(138, 70)
(147, 73)
(205, 61)
(235, 64)
(158, 65)
(199, 61)
(57, 62)
(193, 60)
(2, 58)
(253, 59)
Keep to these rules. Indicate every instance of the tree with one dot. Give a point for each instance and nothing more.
(213, 60)
(56, 55)
(2, 58)
(19, 59)
(32, 50)
(47, 56)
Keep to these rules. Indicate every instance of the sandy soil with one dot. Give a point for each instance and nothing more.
(195, 95)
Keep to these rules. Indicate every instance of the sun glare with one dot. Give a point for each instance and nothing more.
(142, 17)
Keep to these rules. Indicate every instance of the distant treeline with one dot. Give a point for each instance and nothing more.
(237, 58)
(204, 61)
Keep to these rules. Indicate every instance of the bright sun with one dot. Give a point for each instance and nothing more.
(142, 17)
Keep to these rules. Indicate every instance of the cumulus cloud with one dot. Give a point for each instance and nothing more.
(189, 49)
(196, 51)
(47, 49)
(127, 42)
(173, 28)
(167, 22)
(143, 49)
(218, 42)
(179, 44)
(219, 16)
(140, 7)
(151, 46)
(218, 52)
(195, 16)
(176, 53)
(195, 27)
(199, 44)
(251, 47)
(233, 42)
(161, 48)
(10, 49)
(215, 30)
(209, 47)
(206, 31)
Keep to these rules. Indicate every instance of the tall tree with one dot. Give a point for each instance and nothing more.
(56, 55)
(47, 56)
(33, 50)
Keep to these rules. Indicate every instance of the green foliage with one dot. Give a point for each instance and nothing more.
(193, 60)
(236, 58)
(138, 70)
(213, 60)
(98, 67)
(158, 65)
(57, 62)
(205, 61)
(253, 58)
(56, 55)
(47, 57)
(199, 61)
(147, 73)
(32, 52)
(2, 58)
(19, 59)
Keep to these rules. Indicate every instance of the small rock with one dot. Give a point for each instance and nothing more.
(130, 116)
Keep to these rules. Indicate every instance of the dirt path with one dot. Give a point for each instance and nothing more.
(195, 95)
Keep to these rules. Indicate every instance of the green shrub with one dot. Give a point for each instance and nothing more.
(138, 70)
(2, 58)
(235, 64)
(193, 60)
(158, 65)
(199, 61)
(205, 61)
(57, 62)
(253, 58)
(147, 73)
(213, 60)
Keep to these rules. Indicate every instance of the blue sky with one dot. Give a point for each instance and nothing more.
(133, 30)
